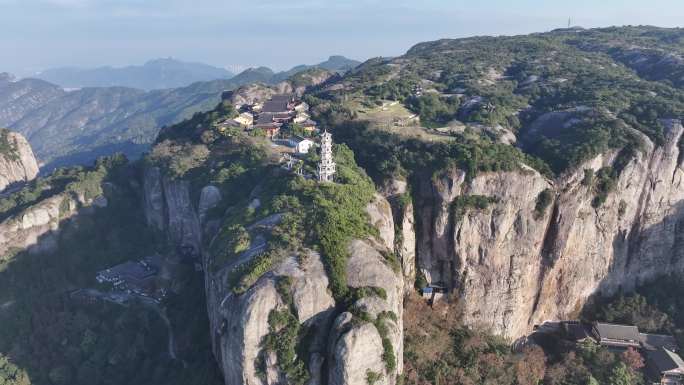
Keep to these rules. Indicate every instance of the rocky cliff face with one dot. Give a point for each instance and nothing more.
(341, 347)
(510, 262)
(17, 163)
(356, 348)
(512, 267)
(36, 228)
(168, 208)
(396, 192)
(256, 93)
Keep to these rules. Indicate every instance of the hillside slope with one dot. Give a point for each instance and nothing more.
(76, 127)
(552, 166)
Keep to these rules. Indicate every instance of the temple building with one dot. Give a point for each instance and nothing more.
(326, 167)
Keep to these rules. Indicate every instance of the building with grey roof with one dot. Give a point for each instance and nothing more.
(139, 277)
(665, 366)
(278, 104)
(657, 341)
(576, 331)
(616, 336)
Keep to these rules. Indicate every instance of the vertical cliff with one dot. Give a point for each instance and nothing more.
(396, 191)
(17, 162)
(168, 208)
(514, 262)
(342, 343)
(288, 308)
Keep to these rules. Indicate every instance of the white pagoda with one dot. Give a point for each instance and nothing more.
(326, 167)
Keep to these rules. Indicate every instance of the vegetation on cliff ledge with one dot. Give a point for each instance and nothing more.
(338, 215)
(463, 203)
(8, 149)
(285, 339)
(84, 182)
(544, 200)
(328, 216)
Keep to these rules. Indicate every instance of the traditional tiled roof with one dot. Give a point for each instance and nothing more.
(264, 119)
(282, 98)
(277, 104)
(270, 125)
(657, 341)
(664, 360)
(576, 330)
(618, 333)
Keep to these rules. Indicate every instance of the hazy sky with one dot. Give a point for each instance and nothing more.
(38, 34)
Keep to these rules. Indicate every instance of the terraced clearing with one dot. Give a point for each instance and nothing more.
(390, 117)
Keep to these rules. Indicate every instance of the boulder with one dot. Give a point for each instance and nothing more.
(210, 197)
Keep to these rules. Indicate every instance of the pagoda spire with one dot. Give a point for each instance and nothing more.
(326, 167)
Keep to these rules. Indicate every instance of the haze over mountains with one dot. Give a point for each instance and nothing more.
(155, 74)
(169, 73)
(76, 127)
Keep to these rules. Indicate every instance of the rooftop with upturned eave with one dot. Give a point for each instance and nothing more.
(277, 104)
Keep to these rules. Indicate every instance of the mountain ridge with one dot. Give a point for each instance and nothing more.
(77, 126)
(154, 74)
(166, 73)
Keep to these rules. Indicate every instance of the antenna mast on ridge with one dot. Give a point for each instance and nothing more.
(569, 22)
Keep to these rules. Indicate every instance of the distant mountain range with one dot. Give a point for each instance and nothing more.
(76, 127)
(339, 64)
(155, 74)
(171, 73)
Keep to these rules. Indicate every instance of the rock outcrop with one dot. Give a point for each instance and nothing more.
(243, 325)
(239, 323)
(36, 228)
(336, 353)
(397, 193)
(17, 162)
(406, 244)
(168, 208)
(380, 213)
(357, 348)
(210, 197)
(512, 266)
(357, 353)
(256, 93)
